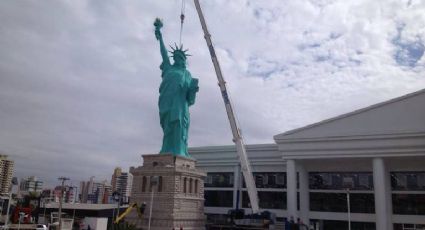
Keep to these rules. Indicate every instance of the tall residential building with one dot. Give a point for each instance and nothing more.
(124, 185)
(85, 188)
(95, 192)
(100, 193)
(69, 194)
(47, 195)
(31, 184)
(6, 173)
(107, 194)
(117, 173)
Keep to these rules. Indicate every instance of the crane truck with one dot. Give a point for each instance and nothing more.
(237, 138)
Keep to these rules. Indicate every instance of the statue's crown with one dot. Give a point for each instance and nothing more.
(179, 51)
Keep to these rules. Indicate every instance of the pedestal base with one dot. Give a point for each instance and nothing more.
(176, 197)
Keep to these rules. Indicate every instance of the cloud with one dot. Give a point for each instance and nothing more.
(79, 80)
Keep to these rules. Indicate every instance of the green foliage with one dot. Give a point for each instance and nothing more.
(34, 194)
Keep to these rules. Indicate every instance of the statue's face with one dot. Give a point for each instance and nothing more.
(179, 59)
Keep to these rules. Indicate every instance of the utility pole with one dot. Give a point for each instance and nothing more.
(14, 182)
(117, 197)
(348, 208)
(63, 179)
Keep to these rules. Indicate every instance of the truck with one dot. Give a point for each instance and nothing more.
(257, 220)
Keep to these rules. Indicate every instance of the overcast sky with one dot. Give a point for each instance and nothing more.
(79, 79)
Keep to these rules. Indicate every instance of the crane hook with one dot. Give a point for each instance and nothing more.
(182, 19)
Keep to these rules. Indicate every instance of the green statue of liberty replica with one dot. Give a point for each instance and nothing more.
(176, 93)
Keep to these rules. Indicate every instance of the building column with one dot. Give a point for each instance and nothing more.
(291, 189)
(236, 183)
(382, 191)
(304, 194)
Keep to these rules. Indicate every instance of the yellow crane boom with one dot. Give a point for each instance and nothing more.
(128, 210)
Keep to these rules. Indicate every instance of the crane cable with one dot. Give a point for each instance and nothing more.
(182, 19)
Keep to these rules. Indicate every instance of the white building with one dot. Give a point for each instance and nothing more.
(114, 178)
(31, 184)
(6, 174)
(376, 154)
(124, 183)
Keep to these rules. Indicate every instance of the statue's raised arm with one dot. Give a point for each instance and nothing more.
(165, 60)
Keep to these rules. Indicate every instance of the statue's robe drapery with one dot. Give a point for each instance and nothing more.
(177, 92)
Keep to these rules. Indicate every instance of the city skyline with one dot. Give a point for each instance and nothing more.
(23, 181)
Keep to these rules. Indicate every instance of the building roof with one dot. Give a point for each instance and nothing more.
(226, 155)
(231, 148)
(405, 114)
(81, 206)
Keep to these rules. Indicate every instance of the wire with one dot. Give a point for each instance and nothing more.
(182, 19)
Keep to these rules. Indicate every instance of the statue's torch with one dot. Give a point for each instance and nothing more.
(158, 25)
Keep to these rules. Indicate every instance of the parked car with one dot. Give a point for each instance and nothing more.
(41, 227)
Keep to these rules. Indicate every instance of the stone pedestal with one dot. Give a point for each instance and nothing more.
(178, 194)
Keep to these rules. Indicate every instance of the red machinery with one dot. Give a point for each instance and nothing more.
(25, 211)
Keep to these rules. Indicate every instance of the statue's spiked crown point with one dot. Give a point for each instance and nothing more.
(179, 51)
